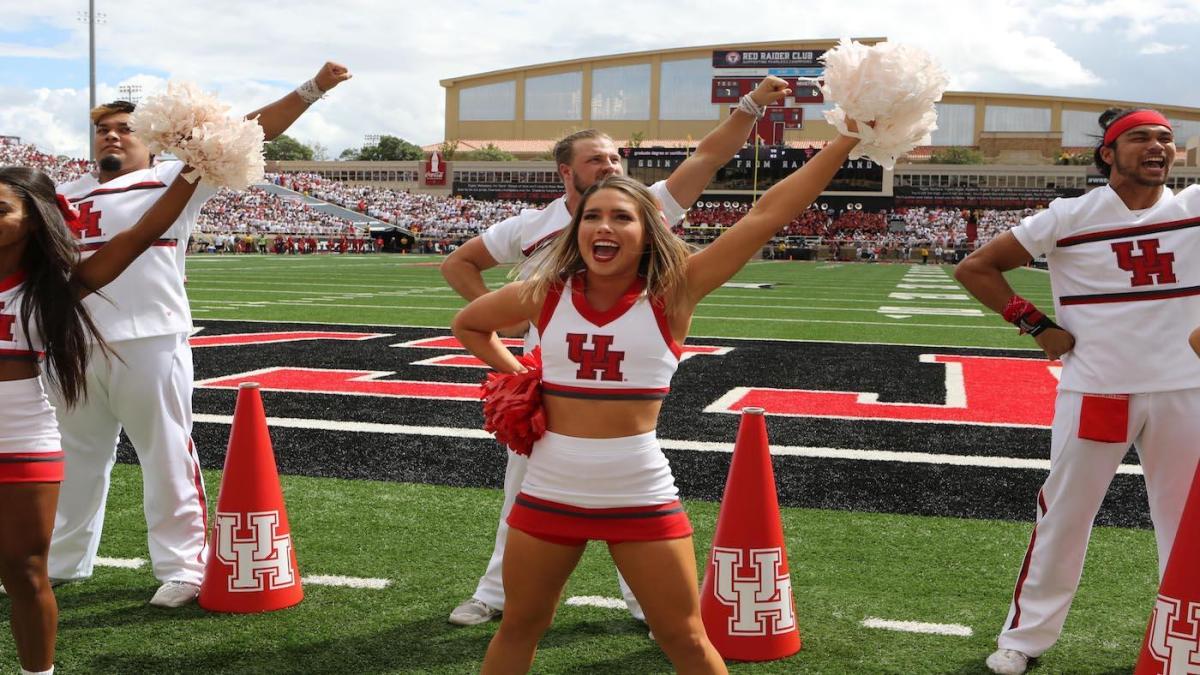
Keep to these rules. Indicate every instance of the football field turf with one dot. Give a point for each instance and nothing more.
(922, 519)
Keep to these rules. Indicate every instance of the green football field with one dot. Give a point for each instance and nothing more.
(429, 544)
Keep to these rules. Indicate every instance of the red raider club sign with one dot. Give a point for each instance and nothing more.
(260, 562)
(1174, 637)
(762, 600)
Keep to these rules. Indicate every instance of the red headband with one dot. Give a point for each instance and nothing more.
(1134, 119)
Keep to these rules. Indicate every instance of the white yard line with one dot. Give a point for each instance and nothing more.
(346, 582)
(316, 579)
(698, 336)
(853, 454)
(123, 563)
(596, 601)
(919, 627)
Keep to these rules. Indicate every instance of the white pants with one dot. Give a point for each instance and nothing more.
(149, 394)
(1165, 428)
(491, 585)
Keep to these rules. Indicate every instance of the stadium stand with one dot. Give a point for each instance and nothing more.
(254, 220)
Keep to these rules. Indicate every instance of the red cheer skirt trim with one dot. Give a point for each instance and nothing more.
(575, 525)
(32, 467)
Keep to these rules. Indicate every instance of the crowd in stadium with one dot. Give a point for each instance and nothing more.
(428, 216)
(250, 221)
(60, 169)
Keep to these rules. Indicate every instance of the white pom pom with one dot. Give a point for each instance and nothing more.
(894, 85)
(194, 126)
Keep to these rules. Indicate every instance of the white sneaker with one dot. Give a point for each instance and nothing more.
(1008, 662)
(473, 612)
(175, 594)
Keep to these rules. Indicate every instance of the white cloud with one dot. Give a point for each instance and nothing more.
(9, 50)
(253, 53)
(1155, 48)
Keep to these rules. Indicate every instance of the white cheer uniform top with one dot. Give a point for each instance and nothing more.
(514, 239)
(1126, 285)
(14, 344)
(625, 352)
(148, 298)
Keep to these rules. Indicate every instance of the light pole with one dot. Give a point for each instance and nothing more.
(91, 18)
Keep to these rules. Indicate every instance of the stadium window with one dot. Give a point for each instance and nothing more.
(1080, 128)
(685, 90)
(956, 124)
(1016, 118)
(489, 102)
(621, 93)
(554, 97)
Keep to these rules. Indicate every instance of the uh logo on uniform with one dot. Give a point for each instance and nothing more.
(762, 600)
(262, 561)
(597, 361)
(1178, 650)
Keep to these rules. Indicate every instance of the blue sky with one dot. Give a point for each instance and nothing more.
(251, 53)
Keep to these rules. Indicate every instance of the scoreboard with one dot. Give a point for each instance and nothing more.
(737, 72)
(732, 89)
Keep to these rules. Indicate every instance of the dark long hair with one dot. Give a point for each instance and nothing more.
(1106, 120)
(51, 292)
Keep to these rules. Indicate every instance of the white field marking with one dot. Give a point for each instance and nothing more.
(874, 301)
(443, 361)
(596, 601)
(347, 582)
(807, 308)
(742, 284)
(123, 563)
(932, 311)
(955, 629)
(928, 296)
(937, 287)
(858, 323)
(669, 444)
(828, 267)
(956, 388)
(890, 310)
(319, 580)
(834, 295)
(739, 338)
(309, 303)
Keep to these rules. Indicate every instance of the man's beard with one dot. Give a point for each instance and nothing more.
(110, 163)
(580, 188)
(1132, 171)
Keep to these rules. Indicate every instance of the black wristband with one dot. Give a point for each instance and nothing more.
(1035, 323)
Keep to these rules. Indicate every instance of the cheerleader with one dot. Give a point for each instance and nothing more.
(42, 319)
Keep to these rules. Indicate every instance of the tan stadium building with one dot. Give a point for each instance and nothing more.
(657, 104)
(667, 95)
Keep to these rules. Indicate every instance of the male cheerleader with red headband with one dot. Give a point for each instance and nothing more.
(1126, 285)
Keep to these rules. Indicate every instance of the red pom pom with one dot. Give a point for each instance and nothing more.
(512, 405)
(69, 214)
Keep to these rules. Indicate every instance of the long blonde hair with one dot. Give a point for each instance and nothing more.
(663, 264)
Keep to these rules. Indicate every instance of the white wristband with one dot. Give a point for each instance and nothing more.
(748, 106)
(310, 92)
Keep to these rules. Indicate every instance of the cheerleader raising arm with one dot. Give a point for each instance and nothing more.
(787, 199)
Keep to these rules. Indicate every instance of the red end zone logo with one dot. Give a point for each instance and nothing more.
(983, 390)
(978, 390)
